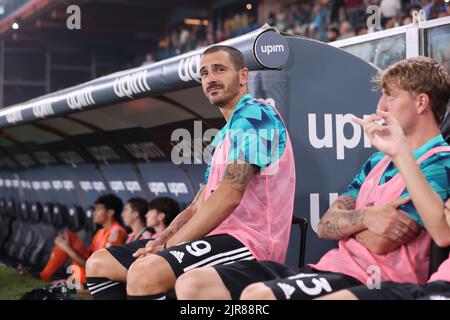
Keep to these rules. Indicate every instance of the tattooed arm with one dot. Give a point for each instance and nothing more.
(219, 205)
(341, 220)
(379, 229)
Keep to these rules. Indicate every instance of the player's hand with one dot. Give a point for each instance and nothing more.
(154, 247)
(389, 222)
(62, 241)
(388, 138)
(141, 252)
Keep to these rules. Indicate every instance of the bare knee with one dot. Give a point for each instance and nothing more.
(201, 284)
(257, 291)
(102, 264)
(189, 285)
(95, 265)
(150, 275)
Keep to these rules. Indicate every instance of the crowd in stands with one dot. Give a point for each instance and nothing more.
(330, 20)
(324, 20)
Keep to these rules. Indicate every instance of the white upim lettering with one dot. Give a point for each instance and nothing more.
(131, 84)
(189, 69)
(80, 98)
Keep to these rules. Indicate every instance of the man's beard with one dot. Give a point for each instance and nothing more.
(228, 95)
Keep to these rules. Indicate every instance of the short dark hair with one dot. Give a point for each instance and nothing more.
(140, 205)
(166, 205)
(111, 202)
(236, 56)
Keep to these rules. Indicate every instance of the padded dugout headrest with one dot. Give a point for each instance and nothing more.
(89, 222)
(24, 213)
(11, 208)
(47, 213)
(3, 211)
(76, 218)
(35, 212)
(60, 216)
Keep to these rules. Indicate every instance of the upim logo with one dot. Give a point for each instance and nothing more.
(98, 186)
(135, 83)
(68, 185)
(117, 186)
(268, 49)
(342, 142)
(43, 110)
(132, 186)
(189, 69)
(15, 116)
(80, 98)
(157, 187)
(86, 186)
(177, 188)
(145, 150)
(57, 185)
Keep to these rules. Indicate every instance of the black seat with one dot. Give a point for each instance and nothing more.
(11, 208)
(437, 256)
(76, 218)
(89, 220)
(19, 240)
(42, 247)
(89, 227)
(47, 213)
(26, 245)
(303, 226)
(35, 212)
(5, 230)
(3, 211)
(60, 216)
(24, 214)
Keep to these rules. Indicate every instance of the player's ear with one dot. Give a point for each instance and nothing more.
(161, 216)
(243, 77)
(422, 103)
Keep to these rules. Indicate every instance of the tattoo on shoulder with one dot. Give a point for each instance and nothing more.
(240, 173)
(347, 202)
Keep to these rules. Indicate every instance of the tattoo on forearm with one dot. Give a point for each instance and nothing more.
(171, 230)
(338, 224)
(239, 174)
(347, 202)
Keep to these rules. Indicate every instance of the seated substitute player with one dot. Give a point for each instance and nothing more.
(435, 214)
(376, 223)
(133, 216)
(68, 246)
(107, 268)
(245, 210)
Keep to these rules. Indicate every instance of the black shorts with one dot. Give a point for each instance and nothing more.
(403, 291)
(206, 252)
(124, 253)
(285, 282)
